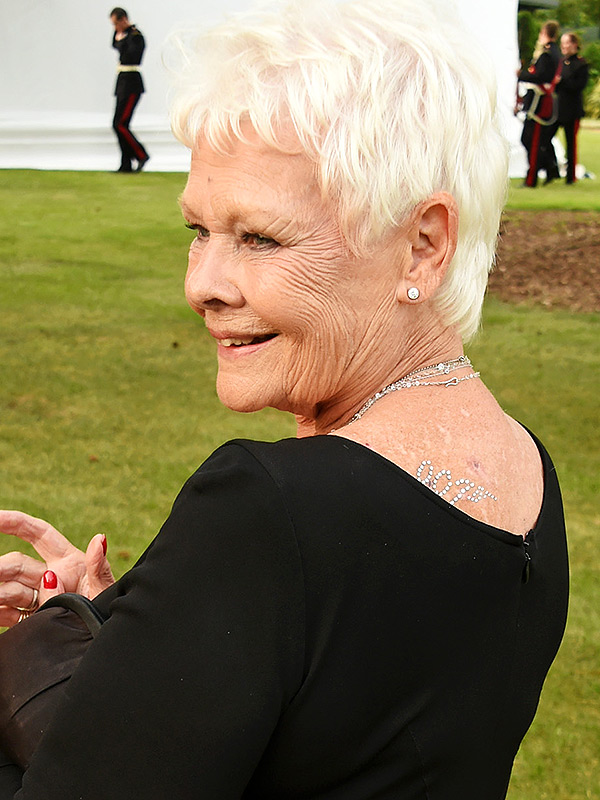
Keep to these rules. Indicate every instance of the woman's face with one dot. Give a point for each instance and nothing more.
(298, 320)
(568, 46)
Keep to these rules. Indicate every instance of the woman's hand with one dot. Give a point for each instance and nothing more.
(23, 584)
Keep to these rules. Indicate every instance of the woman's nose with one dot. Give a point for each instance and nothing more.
(210, 279)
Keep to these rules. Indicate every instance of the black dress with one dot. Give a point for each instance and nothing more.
(312, 622)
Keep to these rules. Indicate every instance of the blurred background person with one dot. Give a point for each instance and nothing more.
(539, 105)
(572, 81)
(128, 40)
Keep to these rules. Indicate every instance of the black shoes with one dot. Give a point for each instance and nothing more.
(551, 176)
(141, 164)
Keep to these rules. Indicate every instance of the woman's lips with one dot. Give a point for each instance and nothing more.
(244, 341)
(236, 346)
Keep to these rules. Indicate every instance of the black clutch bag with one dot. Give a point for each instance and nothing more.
(37, 657)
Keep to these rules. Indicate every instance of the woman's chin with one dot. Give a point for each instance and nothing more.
(235, 398)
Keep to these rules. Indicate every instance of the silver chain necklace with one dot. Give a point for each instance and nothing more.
(421, 377)
(462, 489)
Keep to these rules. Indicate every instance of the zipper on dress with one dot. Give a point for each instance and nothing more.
(527, 565)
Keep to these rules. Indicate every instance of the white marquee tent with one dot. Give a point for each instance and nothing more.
(58, 74)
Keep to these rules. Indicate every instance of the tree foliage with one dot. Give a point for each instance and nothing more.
(578, 14)
(592, 102)
(591, 96)
(528, 30)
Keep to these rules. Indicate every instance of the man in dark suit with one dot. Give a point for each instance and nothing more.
(573, 79)
(129, 41)
(540, 106)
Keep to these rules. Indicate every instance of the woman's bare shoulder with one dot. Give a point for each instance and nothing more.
(468, 451)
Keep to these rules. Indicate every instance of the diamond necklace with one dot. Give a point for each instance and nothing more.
(420, 377)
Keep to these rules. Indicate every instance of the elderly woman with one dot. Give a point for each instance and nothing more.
(369, 610)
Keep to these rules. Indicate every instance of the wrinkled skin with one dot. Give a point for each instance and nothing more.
(300, 322)
(85, 573)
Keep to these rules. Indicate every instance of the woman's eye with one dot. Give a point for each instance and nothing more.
(201, 231)
(259, 241)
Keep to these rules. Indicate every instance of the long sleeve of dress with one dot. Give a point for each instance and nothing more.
(10, 777)
(181, 691)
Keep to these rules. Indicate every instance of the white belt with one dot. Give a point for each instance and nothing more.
(128, 68)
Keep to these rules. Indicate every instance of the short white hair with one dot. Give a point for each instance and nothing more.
(391, 99)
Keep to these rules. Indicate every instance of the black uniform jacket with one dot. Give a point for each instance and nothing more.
(573, 80)
(131, 50)
(542, 71)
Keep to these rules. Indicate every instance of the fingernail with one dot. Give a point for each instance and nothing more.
(50, 580)
(104, 544)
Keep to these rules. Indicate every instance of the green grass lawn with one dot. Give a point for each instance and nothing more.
(107, 403)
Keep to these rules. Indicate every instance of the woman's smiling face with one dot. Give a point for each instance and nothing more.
(296, 317)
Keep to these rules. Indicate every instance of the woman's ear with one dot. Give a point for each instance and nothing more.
(432, 235)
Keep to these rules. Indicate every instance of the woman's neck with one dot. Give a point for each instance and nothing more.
(419, 350)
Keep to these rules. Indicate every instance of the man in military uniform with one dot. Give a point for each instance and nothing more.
(540, 106)
(573, 79)
(129, 41)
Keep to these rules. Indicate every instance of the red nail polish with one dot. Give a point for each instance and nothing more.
(104, 544)
(50, 580)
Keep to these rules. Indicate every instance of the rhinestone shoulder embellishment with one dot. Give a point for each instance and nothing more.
(442, 484)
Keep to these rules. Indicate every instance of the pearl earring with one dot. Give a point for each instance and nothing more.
(413, 293)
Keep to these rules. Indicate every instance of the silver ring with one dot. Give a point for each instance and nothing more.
(32, 606)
